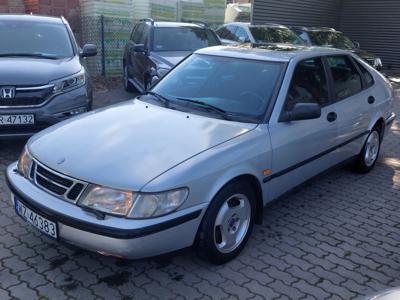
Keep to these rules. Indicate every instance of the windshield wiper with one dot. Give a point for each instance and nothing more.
(35, 55)
(209, 107)
(160, 98)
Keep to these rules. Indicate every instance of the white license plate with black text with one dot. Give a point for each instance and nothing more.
(39, 222)
(17, 120)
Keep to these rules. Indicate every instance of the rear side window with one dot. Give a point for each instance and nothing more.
(308, 85)
(227, 33)
(346, 79)
(369, 80)
(137, 34)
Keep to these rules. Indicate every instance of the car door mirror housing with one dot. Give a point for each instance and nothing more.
(302, 111)
(88, 50)
(356, 44)
(139, 48)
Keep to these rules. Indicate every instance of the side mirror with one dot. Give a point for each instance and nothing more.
(356, 44)
(139, 48)
(302, 111)
(89, 50)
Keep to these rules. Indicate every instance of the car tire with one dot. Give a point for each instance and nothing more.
(127, 84)
(369, 154)
(227, 223)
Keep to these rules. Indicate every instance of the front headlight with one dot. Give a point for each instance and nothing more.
(158, 204)
(161, 72)
(377, 62)
(69, 83)
(133, 205)
(108, 200)
(24, 163)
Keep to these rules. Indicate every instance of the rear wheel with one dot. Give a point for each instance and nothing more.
(127, 84)
(228, 223)
(368, 156)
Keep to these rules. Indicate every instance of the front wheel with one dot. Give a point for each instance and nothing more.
(368, 156)
(228, 223)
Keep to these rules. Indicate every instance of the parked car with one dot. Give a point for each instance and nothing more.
(329, 37)
(155, 47)
(42, 76)
(196, 162)
(239, 33)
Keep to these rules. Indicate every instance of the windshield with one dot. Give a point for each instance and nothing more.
(240, 88)
(330, 39)
(263, 34)
(34, 39)
(183, 39)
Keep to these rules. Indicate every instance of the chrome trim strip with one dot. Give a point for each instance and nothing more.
(34, 88)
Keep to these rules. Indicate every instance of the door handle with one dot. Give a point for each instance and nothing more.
(331, 117)
(371, 99)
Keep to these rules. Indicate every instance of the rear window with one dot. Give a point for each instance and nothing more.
(331, 39)
(183, 39)
(25, 37)
(369, 80)
(279, 35)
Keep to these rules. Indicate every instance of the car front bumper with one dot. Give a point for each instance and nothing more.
(115, 236)
(52, 111)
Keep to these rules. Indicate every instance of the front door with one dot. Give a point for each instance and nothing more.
(304, 148)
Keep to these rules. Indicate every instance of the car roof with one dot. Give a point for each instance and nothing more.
(327, 29)
(178, 24)
(276, 52)
(274, 25)
(31, 18)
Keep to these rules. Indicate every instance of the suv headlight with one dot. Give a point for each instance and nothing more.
(377, 62)
(69, 83)
(24, 163)
(133, 205)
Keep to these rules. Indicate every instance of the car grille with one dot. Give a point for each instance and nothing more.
(55, 183)
(28, 96)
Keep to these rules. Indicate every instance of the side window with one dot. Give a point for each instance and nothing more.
(346, 79)
(369, 80)
(241, 35)
(145, 32)
(308, 85)
(133, 32)
(138, 33)
(230, 33)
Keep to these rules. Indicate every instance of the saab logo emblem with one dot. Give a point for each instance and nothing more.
(7, 92)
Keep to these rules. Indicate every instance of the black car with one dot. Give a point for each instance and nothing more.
(42, 77)
(329, 37)
(156, 47)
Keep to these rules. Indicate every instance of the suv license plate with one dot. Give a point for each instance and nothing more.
(39, 222)
(17, 120)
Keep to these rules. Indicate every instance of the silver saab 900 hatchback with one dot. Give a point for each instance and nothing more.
(195, 159)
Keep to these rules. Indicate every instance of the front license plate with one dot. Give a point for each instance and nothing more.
(17, 120)
(39, 222)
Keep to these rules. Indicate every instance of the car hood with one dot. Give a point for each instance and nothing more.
(363, 54)
(127, 145)
(168, 59)
(34, 71)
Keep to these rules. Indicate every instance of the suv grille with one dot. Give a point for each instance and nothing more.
(28, 96)
(55, 183)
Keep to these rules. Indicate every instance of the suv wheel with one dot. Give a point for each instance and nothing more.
(127, 84)
(228, 223)
(366, 160)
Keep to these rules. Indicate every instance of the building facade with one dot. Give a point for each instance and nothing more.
(375, 24)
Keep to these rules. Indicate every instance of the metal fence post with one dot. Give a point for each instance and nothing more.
(103, 51)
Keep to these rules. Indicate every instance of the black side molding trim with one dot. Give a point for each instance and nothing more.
(308, 160)
(99, 229)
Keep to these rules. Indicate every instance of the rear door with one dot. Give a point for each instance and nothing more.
(302, 149)
(354, 100)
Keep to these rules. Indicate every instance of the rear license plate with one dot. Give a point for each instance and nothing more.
(36, 220)
(17, 120)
